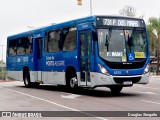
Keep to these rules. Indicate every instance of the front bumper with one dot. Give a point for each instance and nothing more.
(98, 79)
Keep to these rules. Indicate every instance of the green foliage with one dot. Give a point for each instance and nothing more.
(153, 40)
(154, 24)
(153, 28)
(2, 73)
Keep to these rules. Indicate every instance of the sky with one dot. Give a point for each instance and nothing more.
(19, 15)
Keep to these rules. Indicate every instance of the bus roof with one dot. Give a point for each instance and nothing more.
(64, 24)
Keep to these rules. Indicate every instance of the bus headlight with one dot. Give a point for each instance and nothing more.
(103, 70)
(146, 70)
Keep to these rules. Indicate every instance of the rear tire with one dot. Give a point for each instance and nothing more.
(116, 89)
(26, 79)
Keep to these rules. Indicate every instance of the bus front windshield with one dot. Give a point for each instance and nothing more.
(122, 45)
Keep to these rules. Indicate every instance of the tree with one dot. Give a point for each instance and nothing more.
(154, 27)
(153, 41)
(128, 11)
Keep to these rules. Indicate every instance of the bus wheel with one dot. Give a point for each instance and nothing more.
(36, 84)
(71, 78)
(26, 79)
(73, 82)
(116, 89)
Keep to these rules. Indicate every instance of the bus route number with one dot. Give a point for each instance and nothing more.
(108, 22)
(121, 22)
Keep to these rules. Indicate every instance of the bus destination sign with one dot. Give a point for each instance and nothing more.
(122, 22)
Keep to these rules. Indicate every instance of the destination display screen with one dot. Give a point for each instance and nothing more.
(121, 22)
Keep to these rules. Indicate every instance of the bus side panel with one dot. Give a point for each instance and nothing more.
(12, 71)
(71, 60)
(55, 65)
(55, 78)
(13, 75)
(53, 68)
(25, 61)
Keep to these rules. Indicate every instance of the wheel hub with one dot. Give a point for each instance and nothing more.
(73, 82)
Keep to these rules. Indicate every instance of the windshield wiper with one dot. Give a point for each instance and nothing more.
(107, 41)
(129, 42)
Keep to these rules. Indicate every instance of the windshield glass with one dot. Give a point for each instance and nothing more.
(122, 45)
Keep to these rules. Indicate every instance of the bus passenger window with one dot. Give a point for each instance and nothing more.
(29, 45)
(12, 48)
(24, 46)
(29, 49)
(53, 41)
(69, 39)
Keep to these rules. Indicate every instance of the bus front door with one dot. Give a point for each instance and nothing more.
(37, 58)
(85, 49)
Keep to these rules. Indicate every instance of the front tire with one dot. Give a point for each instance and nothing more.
(73, 83)
(116, 89)
(71, 79)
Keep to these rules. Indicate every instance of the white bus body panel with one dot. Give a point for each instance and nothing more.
(98, 79)
(58, 78)
(55, 78)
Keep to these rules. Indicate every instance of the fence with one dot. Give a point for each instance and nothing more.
(2, 73)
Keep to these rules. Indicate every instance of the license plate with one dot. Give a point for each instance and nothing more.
(127, 83)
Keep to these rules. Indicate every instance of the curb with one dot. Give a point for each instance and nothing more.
(154, 76)
(7, 81)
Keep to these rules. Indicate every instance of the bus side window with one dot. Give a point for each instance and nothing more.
(24, 45)
(53, 41)
(12, 48)
(29, 45)
(69, 39)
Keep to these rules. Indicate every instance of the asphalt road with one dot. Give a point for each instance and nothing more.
(127, 104)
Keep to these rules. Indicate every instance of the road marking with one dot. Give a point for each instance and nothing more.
(56, 104)
(149, 88)
(150, 93)
(151, 102)
(70, 96)
(10, 84)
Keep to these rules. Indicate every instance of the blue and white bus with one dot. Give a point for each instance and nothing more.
(110, 51)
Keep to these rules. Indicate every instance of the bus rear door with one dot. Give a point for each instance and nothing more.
(85, 39)
(37, 57)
